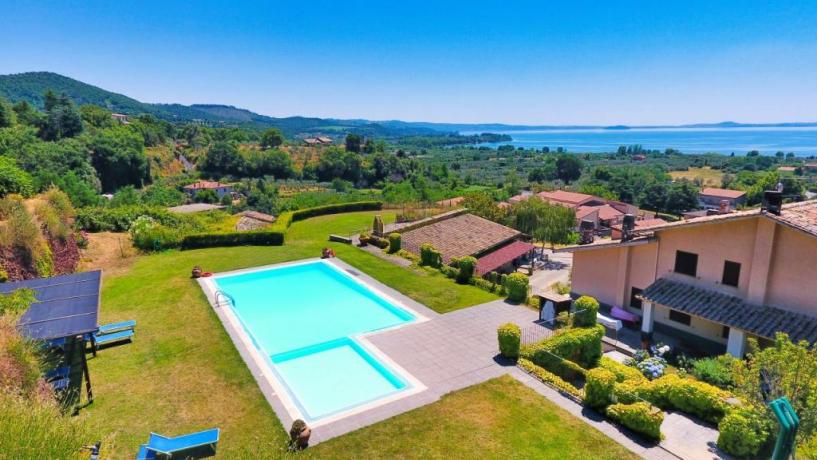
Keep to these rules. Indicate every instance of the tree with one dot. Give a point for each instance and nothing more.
(95, 116)
(62, 118)
(222, 158)
(272, 138)
(557, 226)
(682, 196)
(13, 179)
(568, 168)
(7, 115)
(353, 142)
(270, 163)
(481, 204)
(27, 115)
(512, 183)
(118, 155)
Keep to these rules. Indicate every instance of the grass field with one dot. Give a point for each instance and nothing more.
(709, 177)
(182, 373)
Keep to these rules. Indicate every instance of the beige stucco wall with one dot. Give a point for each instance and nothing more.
(594, 274)
(793, 273)
(698, 326)
(714, 244)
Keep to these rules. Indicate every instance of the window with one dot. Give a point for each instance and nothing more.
(635, 302)
(731, 273)
(679, 317)
(686, 263)
(725, 332)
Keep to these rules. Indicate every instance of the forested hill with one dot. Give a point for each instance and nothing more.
(31, 86)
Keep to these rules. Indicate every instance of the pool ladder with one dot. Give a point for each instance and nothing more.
(225, 298)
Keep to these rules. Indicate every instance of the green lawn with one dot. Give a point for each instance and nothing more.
(500, 418)
(182, 373)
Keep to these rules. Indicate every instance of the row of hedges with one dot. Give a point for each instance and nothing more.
(209, 240)
(640, 417)
(550, 378)
(306, 213)
(581, 346)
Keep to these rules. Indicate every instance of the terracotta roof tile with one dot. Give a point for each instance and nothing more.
(502, 256)
(463, 235)
(562, 196)
(723, 193)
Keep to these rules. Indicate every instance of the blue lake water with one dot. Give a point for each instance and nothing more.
(303, 318)
(801, 141)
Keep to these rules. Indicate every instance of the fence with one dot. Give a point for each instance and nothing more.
(535, 333)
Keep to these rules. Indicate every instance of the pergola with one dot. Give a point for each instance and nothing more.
(63, 317)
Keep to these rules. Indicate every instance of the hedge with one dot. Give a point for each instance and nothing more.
(550, 378)
(640, 417)
(579, 345)
(466, 266)
(430, 256)
(622, 372)
(743, 432)
(509, 336)
(671, 391)
(207, 240)
(306, 213)
(586, 309)
(395, 240)
(517, 286)
(598, 388)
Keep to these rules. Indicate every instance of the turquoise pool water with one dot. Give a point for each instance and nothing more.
(303, 317)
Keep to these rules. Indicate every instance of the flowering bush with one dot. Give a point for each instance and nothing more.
(652, 368)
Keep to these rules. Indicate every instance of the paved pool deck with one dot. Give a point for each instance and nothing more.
(452, 351)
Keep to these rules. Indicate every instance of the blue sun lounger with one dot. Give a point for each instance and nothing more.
(112, 333)
(194, 445)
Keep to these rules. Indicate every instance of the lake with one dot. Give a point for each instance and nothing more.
(801, 141)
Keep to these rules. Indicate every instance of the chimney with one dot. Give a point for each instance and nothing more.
(627, 227)
(586, 228)
(724, 207)
(772, 202)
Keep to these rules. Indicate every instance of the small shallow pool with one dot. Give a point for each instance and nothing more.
(308, 320)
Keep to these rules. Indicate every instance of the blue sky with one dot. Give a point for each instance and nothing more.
(540, 62)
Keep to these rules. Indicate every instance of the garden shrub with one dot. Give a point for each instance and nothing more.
(209, 240)
(687, 395)
(466, 266)
(395, 240)
(51, 221)
(598, 388)
(579, 345)
(622, 372)
(517, 286)
(743, 432)
(44, 261)
(715, 370)
(408, 255)
(449, 271)
(628, 391)
(550, 378)
(509, 336)
(640, 417)
(13, 179)
(586, 308)
(484, 284)
(282, 222)
(105, 219)
(381, 243)
(429, 256)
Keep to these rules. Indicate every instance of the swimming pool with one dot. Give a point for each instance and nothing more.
(308, 322)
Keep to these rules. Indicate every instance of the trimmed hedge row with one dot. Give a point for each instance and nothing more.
(209, 240)
(640, 417)
(598, 389)
(622, 372)
(550, 378)
(306, 213)
(582, 346)
(671, 391)
(743, 432)
(509, 336)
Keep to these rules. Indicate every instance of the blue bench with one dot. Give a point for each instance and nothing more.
(115, 327)
(194, 445)
(108, 334)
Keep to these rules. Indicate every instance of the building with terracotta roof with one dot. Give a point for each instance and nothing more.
(451, 202)
(711, 198)
(218, 187)
(712, 281)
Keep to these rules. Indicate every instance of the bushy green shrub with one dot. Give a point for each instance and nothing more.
(509, 336)
(716, 370)
(517, 285)
(209, 240)
(687, 395)
(44, 261)
(282, 222)
(598, 387)
(550, 378)
(743, 432)
(367, 238)
(586, 309)
(429, 256)
(466, 266)
(622, 372)
(302, 214)
(395, 241)
(579, 345)
(640, 417)
(449, 271)
(13, 179)
(484, 284)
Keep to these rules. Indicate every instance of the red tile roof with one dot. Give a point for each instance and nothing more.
(463, 235)
(723, 193)
(569, 198)
(451, 201)
(502, 256)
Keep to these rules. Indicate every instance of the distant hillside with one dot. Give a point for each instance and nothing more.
(31, 86)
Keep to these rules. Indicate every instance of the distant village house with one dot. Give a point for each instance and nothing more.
(218, 187)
